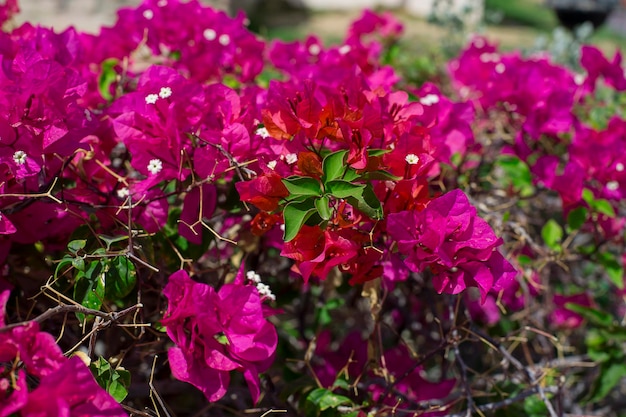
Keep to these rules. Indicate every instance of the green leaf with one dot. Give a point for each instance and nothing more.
(350, 175)
(120, 278)
(344, 189)
(368, 203)
(321, 399)
(588, 196)
(89, 289)
(321, 204)
(110, 240)
(603, 206)
(535, 407)
(599, 205)
(577, 217)
(79, 263)
(333, 166)
(303, 186)
(381, 175)
(377, 152)
(552, 234)
(609, 376)
(614, 270)
(115, 381)
(516, 173)
(597, 317)
(295, 214)
(76, 246)
(108, 76)
(64, 266)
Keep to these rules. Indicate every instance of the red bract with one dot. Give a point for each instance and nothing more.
(264, 191)
(215, 333)
(316, 252)
(458, 246)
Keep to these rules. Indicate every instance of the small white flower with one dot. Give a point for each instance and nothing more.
(500, 68)
(209, 34)
(479, 42)
(265, 291)
(151, 98)
(619, 167)
(19, 157)
(155, 166)
(489, 57)
(165, 92)
(272, 164)
(162, 3)
(429, 99)
(148, 14)
(88, 115)
(612, 185)
(291, 158)
(262, 131)
(314, 49)
(579, 79)
(345, 49)
(253, 276)
(224, 39)
(122, 193)
(412, 159)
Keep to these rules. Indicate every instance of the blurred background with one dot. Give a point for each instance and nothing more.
(521, 24)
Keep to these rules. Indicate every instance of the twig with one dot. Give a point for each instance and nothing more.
(154, 393)
(511, 400)
(65, 308)
(459, 360)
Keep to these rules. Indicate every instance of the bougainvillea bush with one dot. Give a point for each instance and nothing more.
(196, 221)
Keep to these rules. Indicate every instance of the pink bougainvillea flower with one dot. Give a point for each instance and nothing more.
(71, 390)
(564, 317)
(199, 198)
(66, 386)
(413, 385)
(215, 333)
(457, 245)
(596, 65)
(351, 357)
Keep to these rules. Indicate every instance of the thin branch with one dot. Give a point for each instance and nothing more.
(75, 308)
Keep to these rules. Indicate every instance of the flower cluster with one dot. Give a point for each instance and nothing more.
(457, 246)
(160, 141)
(66, 386)
(216, 332)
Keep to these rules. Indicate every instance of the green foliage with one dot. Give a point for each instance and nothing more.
(522, 12)
(313, 202)
(576, 218)
(323, 402)
(516, 174)
(115, 381)
(108, 76)
(605, 343)
(598, 205)
(552, 234)
(98, 276)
